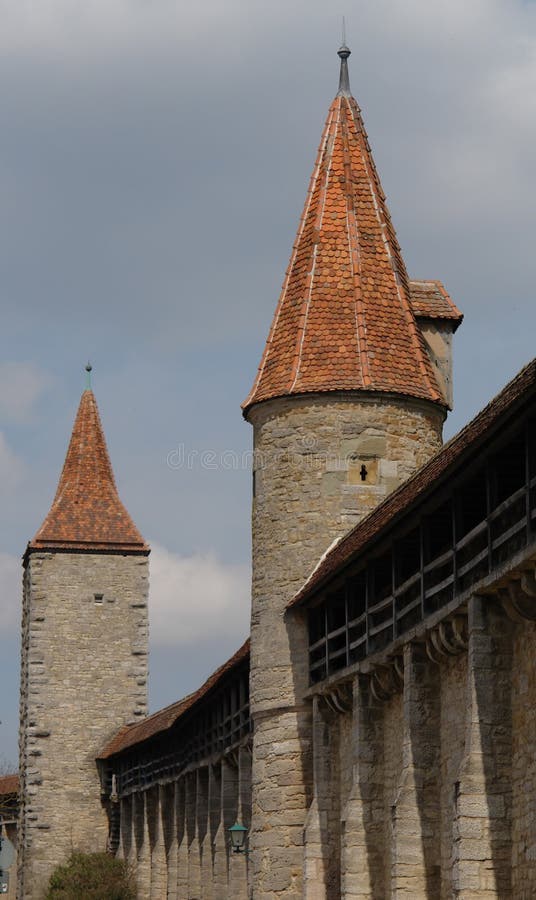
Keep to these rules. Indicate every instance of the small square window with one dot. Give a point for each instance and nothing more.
(99, 598)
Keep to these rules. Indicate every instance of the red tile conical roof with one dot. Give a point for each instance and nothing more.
(344, 320)
(86, 512)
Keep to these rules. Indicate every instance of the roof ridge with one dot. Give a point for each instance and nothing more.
(394, 251)
(295, 246)
(344, 320)
(106, 458)
(300, 334)
(355, 256)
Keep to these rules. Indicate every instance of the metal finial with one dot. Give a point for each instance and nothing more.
(89, 369)
(344, 52)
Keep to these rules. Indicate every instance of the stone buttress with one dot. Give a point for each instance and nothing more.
(84, 654)
(348, 402)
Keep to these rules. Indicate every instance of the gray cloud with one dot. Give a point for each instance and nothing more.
(21, 387)
(197, 599)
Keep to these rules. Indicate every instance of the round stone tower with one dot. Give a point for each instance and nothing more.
(346, 405)
(84, 655)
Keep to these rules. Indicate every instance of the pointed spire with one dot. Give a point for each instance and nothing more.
(344, 79)
(86, 513)
(344, 321)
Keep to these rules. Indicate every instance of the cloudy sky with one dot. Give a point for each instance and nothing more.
(154, 158)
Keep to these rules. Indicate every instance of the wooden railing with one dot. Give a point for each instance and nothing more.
(220, 723)
(480, 520)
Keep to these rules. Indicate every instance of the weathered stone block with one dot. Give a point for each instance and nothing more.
(95, 659)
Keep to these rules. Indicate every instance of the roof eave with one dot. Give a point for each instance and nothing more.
(184, 706)
(454, 321)
(483, 432)
(35, 546)
(248, 405)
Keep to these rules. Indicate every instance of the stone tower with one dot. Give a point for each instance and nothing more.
(84, 654)
(348, 401)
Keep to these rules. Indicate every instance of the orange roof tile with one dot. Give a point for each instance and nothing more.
(430, 300)
(344, 320)
(86, 512)
(131, 735)
(9, 784)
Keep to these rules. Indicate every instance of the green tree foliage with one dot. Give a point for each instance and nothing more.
(91, 876)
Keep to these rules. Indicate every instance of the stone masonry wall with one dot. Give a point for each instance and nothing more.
(320, 464)
(175, 836)
(452, 734)
(524, 762)
(393, 729)
(438, 341)
(84, 674)
(441, 800)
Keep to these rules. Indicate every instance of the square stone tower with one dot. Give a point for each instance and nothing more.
(348, 402)
(84, 654)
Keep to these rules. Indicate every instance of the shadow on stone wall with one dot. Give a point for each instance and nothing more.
(490, 661)
(370, 767)
(424, 734)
